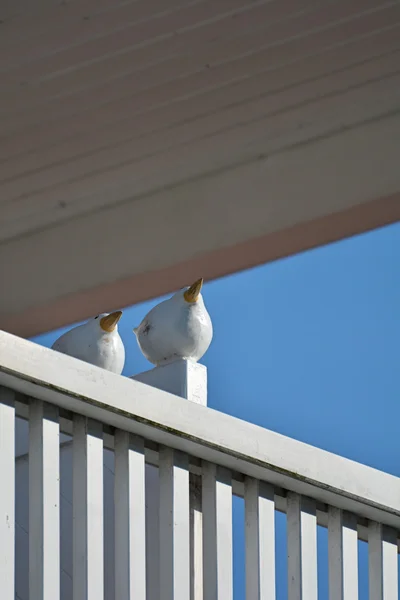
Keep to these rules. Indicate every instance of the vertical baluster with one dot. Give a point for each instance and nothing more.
(196, 538)
(87, 487)
(217, 533)
(130, 529)
(44, 502)
(382, 562)
(294, 546)
(375, 564)
(309, 550)
(343, 555)
(335, 553)
(260, 540)
(7, 495)
(390, 565)
(152, 495)
(350, 558)
(174, 525)
(302, 548)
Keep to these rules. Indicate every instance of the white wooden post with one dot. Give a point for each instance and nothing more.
(129, 511)
(335, 553)
(174, 525)
(183, 378)
(383, 568)
(187, 380)
(260, 540)
(350, 557)
(218, 540)
(44, 502)
(301, 548)
(87, 489)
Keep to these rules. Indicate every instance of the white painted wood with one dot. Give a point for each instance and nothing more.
(203, 136)
(375, 564)
(116, 132)
(260, 540)
(46, 17)
(118, 91)
(199, 431)
(66, 493)
(319, 162)
(257, 85)
(301, 548)
(309, 550)
(293, 516)
(187, 380)
(196, 538)
(87, 486)
(44, 502)
(129, 506)
(217, 533)
(22, 430)
(382, 563)
(183, 378)
(152, 533)
(174, 525)
(123, 22)
(390, 565)
(22, 528)
(335, 553)
(7, 495)
(163, 73)
(350, 558)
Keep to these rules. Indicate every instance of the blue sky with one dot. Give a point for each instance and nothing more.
(307, 346)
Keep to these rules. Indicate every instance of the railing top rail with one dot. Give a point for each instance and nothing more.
(200, 431)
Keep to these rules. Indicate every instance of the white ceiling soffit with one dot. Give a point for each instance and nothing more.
(144, 143)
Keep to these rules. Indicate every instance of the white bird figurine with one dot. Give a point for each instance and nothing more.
(96, 342)
(179, 327)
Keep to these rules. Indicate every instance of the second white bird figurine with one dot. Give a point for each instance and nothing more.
(96, 342)
(179, 327)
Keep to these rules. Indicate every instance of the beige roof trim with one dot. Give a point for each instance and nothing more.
(138, 288)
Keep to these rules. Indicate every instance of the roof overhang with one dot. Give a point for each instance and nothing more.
(134, 160)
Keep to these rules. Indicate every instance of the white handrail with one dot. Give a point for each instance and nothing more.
(199, 431)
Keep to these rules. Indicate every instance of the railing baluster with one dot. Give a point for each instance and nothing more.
(7, 495)
(302, 548)
(309, 550)
(343, 555)
(174, 525)
(44, 502)
(130, 527)
(196, 539)
(87, 489)
(382, 562)
(260, 540)
(390, 565)
(375, 564)
(350, 558)
(335, 553)
(294, 546)
(217, 533)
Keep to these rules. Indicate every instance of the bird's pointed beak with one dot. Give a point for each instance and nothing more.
(136, 330)
(109, 322)
(192, 294)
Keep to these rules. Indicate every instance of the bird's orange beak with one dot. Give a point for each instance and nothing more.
(109, 322)
(192, 294)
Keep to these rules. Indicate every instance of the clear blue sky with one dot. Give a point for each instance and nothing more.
(309, 347)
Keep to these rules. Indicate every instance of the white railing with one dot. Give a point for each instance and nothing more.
(137, 498)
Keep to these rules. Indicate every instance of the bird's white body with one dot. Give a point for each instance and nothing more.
(175, 329)
(92, 344)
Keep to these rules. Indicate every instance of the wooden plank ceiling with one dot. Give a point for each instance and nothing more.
(145, 116)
